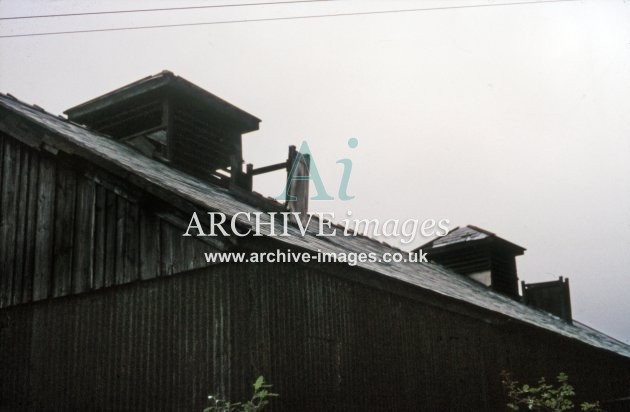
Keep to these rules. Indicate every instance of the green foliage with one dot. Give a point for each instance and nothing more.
(544, 396)
(258, 401)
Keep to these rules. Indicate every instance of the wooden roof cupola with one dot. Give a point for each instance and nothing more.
(480, 255)
(174, 121)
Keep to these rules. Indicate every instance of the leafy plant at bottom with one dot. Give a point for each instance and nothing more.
(258, 401)
(544, 396)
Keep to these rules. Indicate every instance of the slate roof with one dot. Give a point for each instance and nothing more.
(461, 235)
(82, 142)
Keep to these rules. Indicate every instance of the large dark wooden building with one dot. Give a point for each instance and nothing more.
(104, 305)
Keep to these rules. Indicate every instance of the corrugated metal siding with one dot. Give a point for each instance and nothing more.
(148, 347)
(326, 343)
(356, 348)
(62, 232)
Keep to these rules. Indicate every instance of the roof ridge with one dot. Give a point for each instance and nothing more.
(484, 231)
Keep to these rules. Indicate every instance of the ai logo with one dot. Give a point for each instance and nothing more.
(300, 174)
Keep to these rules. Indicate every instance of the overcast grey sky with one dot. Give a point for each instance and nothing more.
(513, 118)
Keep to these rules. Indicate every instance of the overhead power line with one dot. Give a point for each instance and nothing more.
(266, 19)
(213, 6)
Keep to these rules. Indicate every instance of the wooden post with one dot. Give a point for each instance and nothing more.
(249, 177)
(235, 170)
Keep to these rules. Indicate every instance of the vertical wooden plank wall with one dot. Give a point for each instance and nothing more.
(44, 230)
(63, 233)
(8, 209)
